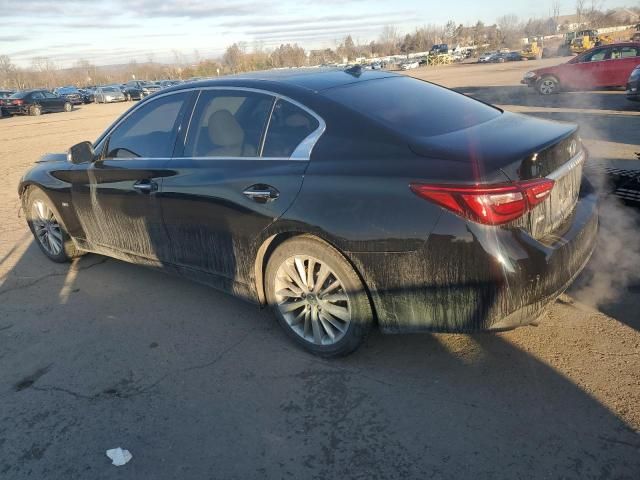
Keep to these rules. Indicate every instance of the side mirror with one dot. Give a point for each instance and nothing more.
(81, 153)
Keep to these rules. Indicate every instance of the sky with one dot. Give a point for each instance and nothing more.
(117, 31)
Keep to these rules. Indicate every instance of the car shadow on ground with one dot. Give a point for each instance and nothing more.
(196, 384)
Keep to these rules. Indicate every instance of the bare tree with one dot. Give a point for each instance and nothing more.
(580, 10)
(389, 39)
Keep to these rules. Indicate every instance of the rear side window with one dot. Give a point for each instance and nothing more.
(624, 52)
(413, 107)
(228, 123)
(150, 131)
(288, 127)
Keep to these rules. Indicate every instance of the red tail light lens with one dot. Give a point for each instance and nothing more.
(487, 204)
(18, 102)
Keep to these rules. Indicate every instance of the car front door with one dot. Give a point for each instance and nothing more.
(115, 197)
(586, 70)
(232, 180)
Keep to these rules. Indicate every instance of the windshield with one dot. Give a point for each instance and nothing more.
(413, 107)
(111, 89)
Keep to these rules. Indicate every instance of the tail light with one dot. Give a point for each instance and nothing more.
(18, 102)
(487, 204)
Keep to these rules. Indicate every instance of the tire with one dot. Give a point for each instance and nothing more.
(129, 97)
(53, 240)
(68, 107)
(329, 319)
(548, 86)
(35, 110)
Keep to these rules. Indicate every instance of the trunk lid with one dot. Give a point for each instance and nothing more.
(520, 148)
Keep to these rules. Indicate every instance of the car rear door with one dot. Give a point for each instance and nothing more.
(53, 103)
(115, 197)
(232, 180)
(624, 59)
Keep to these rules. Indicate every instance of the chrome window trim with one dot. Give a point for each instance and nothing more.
(301, 153)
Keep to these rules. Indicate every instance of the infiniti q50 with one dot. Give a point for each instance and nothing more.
(342, 199)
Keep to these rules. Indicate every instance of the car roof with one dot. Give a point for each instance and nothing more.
(314, 79)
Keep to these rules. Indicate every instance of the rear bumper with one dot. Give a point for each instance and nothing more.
(471, 278)
(16, 109)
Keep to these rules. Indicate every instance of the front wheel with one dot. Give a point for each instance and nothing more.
(317, 297)
(548, 86)
(48, 231)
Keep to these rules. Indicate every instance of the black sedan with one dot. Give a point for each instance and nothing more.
(72, 94)
(431, 212)
(633, 85)
(36, 102)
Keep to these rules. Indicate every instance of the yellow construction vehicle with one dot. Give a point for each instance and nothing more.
(532, 50)
(588, 40)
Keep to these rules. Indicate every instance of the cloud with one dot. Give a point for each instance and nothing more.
(12, 38)
(193, 8)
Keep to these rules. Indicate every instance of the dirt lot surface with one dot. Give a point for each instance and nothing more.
(197, 384)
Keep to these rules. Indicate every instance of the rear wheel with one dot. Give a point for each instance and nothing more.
(68, 107)
(548, 86)
(35, 110)
(317, 297)
(48, 231)
(129, 97)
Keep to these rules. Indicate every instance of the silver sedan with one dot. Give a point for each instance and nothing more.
(108, 95)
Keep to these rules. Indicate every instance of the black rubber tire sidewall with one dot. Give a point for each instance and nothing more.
(69, 250)
(362, 315)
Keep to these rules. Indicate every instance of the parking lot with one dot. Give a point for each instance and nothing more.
(197, 384)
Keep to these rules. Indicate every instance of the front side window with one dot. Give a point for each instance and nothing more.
(228, 123)
(288, 127)
(49, 95)
(595, 56)
(150, 131)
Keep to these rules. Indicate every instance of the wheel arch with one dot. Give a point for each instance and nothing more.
(272, 242)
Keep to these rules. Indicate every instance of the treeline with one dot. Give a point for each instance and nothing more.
(239, 57)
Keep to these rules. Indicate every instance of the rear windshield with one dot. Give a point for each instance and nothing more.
(19, 94)
(413, 107)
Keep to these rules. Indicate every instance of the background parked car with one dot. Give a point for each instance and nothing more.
(72, 94)
(605, 66)
(410, 65)
(509, 57)
(88, 95)
(138, 89)
(633, 85)
(4, 94)
(109, 94)
(36, 102)
(487, 57)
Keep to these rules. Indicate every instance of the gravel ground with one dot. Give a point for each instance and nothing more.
(197, 384)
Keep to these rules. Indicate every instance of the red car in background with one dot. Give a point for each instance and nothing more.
(604, 66)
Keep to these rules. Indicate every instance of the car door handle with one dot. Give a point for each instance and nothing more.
(261, 193)
(145, 186)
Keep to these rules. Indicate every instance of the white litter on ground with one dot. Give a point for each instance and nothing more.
(119, 456)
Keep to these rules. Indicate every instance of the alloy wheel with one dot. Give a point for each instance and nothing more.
(312, 300)
(46, 227)
(547, 86)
